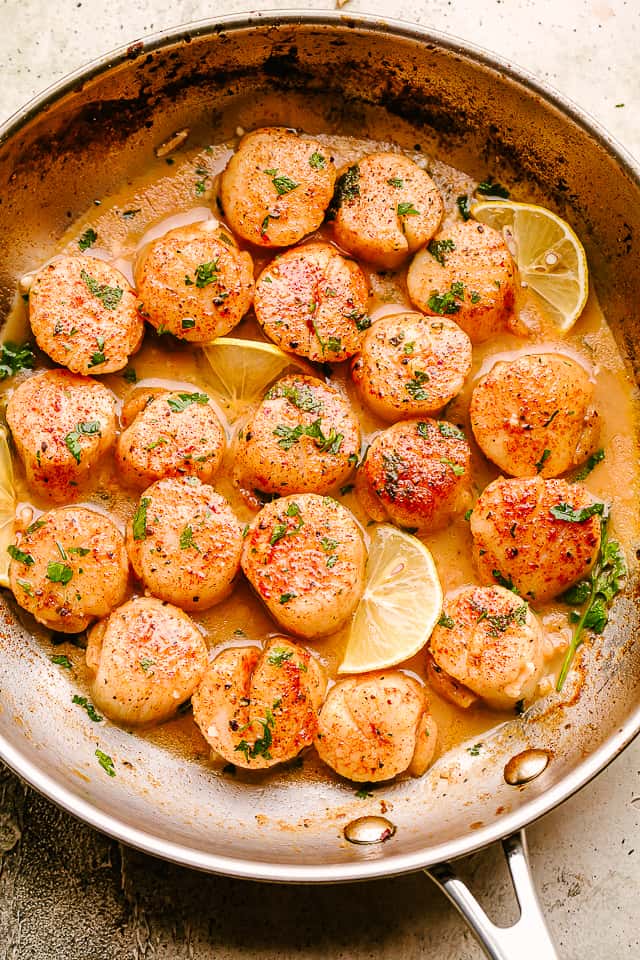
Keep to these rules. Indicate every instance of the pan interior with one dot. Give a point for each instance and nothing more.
(347, 78)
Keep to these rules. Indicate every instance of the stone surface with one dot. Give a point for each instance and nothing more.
(68, 893)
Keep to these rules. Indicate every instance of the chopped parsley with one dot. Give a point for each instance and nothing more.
(110, 297)
(261, 745)
(187, 323)
(286, 597)
(438, 249)
(564, 511)
(105, 762)
(183, 400)
(288, 436)
(543, 459)
(475, 297)
(462, 203)
(592, 462)
(140, 520)
(447, 303)
(87, 239)
(203, 275)
(596, 592)
(450, 430)
(446, 621)
(475, 749)
(146, 664)
(89, 707)
(61, 661)
(395, 182)
(59, 572)
(347, 188)
(130, 375)
(186, 540)
(407, 209)
(84, 429)
(415, 387)
(19, 556)
(15, 357)
(317, 161)
(392, 464)
(26, 586)
(457, 469)
(282, 183)
(278, 656)
(299, 394)
(488, 188)
(505, 582)
(363, 793)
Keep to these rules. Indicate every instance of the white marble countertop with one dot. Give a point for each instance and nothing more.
(66, 892)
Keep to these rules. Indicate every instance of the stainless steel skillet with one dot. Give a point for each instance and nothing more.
(83, 139)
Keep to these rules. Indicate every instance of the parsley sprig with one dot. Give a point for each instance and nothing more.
(596, 593)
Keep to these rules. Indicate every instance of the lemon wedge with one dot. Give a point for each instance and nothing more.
(241, 370)
(401, 604)
(550, 258)
(7, 506)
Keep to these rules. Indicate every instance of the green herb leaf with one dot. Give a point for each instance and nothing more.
(438, 249)
(187, 323)
(445, 303)
(79, 551)
(415, 387)
(363, 793)
(72, 440)
(505, 582)
(317, 161)
(446, 621)
(26, 586)
(58, 572)
(347, 188)
(564, 511)
(87, 239)
(475, 749)
(89, 707)
(456, 467)
(146, 664)
(488, 188)
(395, 182)
(592, 462)
(603, 584)
(20, 556)
(450, 430)
(140, 520)
(183, 400)
(14, 358)
(130, 375)
(110, 297)
(288, 435)
(284, 185)
(106, 763)
(186, 540)
(203, 275)
(286, 597)
(407, 209)
(543, 459)
(278, 656)
(462, 203)
(61, 661)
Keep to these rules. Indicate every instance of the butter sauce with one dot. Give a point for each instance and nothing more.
(181, 191)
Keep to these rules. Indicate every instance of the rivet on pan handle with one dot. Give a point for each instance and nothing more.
(529, 937)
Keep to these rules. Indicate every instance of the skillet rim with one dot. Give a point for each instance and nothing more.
(388, 865)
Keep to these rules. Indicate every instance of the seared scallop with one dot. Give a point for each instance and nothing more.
(536, 414)
(176, 434)
(194, 282)
(303, 438)
(259, 707)
(146, 658)
(84, 315)
(410, 365)
(276, 187)
(69, 567)
(416, 473)
(312, 301)
(305, 558)
(375, 726)
(489, 640)
(467, 273)
(385, 208)
(62, 425)
(184, 543)
(539, 536)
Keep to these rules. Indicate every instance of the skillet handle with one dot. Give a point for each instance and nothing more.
(529, 937)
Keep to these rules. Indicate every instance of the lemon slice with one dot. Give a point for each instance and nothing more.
(550, 258)
(400, 606)
(7, 507)
(241, 370)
